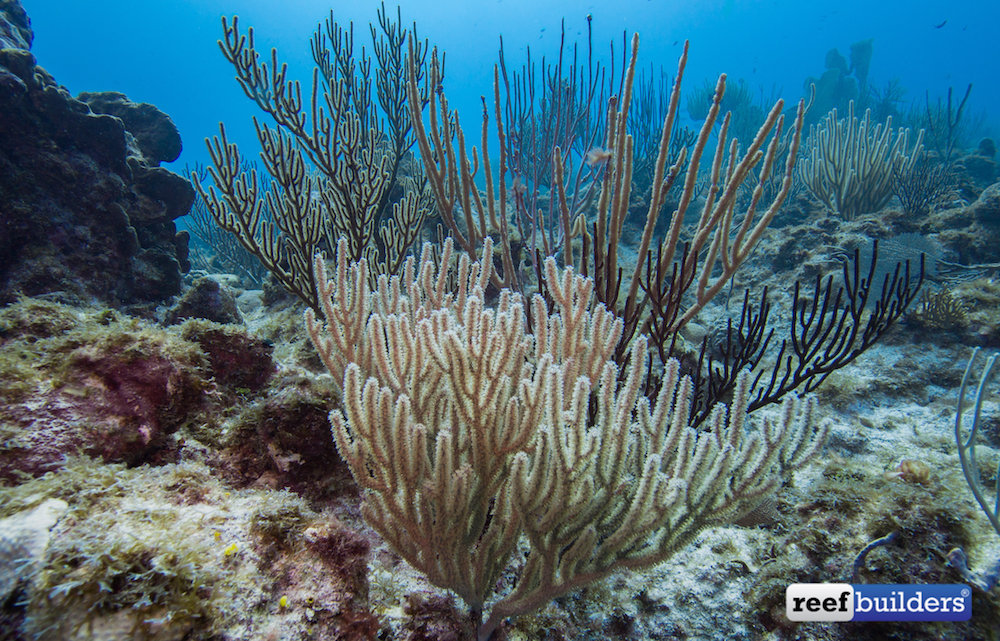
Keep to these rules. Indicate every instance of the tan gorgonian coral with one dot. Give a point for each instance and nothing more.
(719, 244)
(850, 162)
(940, 311)
(467, 431)
(334, 160)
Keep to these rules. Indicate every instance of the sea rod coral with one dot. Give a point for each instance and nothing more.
(466, 431)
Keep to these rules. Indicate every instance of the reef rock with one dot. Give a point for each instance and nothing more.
(97, 383)
(986, 209)
(155, 133)
(981, 169)
(23, 539)
(207, 299)
(15, 27)
(86, 213)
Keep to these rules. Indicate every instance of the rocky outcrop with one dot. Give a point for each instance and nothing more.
(986, 209)
(86, 212)
(15, 27)
(153, 131)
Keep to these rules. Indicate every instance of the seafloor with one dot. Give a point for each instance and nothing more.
(181, 480)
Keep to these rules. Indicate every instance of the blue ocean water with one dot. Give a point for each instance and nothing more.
(164, 51)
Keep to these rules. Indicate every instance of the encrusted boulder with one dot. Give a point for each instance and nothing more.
(982, 169)
(93, 382)
(207, 299)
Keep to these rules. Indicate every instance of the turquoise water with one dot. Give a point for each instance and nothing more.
(165, 52)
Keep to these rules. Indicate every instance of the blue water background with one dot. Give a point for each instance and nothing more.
(165, 52)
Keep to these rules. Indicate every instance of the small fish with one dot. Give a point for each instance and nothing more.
(598, 157)
(941, 25)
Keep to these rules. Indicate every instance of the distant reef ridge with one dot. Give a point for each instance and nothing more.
(86, 212)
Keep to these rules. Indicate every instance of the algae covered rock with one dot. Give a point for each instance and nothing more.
(92, 382)
(207, 299)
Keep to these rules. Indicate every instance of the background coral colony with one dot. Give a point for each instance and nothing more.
(635, 359)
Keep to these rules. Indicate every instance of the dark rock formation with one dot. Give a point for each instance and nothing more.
(154, 131)
(15, 27)
(86, 213)
(239, 363)
(981, 169)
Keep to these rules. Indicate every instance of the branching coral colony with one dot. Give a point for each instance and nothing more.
(476, 414)
(467, 429)
(466, 432)
(714, 243)
(334, 171)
